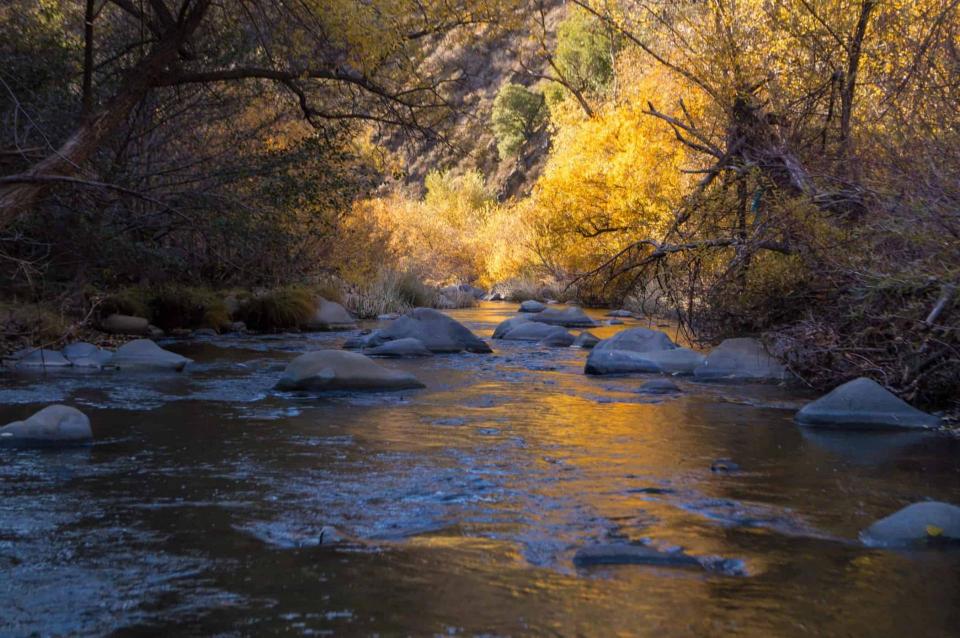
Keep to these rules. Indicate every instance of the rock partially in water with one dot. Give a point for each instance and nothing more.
(676, 361)
(42, 358)
(87, 355)
(637, 340)
(147, 355)
(724, 466)
(53, 426)
(659, 386)
(624, 554)
(743, 359)
(125, 325)
(507, 325)
(532, 331)
(337, 370)
(390, 316)
(559, 339)
(863, 403)
(572, 317)
(532, 305)
(331, 316)
(918, 523)
(586, 340)
(622, 313)
(205, 332)
(437, 331)
(682, 361)
(400, 348)
(365, 339)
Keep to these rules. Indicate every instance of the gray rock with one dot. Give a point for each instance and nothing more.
(659, 386)
(863, 403)
(42, 358)
(337, 370)
(399, 348)
(366, 339)
(154, 332)
(532, 305)
(532, 331)
(620, 313)
(55, 425)
(676, 361)
(637, 340)
(743, 359)
(125, 325)
(238, 326)
(205, 332)
(506, 326)
(476, 293)
(331, 316)
(586, 340)
(437, 331)
(724, 466)
(570, 317)
(614, 322)
(916, 524)
(682, 361)
(87, 355)
(390, 316)
(145, 354)
(623, 554)
(559, 339)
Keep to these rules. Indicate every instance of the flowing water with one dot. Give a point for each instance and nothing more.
(206, 505)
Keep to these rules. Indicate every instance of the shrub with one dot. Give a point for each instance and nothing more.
(278, 309)
(517, 113)
(173, 307)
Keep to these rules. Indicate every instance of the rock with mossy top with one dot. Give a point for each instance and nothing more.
(53, 426)
(863, 403)
(920, 523)
(741, 359)
(144, 354)
(438, 332)
(342, 371)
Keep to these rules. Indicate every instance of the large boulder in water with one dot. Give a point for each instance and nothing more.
(146, 355)
(572, 317)
(337, 370)
(87, 355)
(532, 331)
(863, 403)
(637, 340)
(330, 316)
(125, 325)
(55, 425)
(437, 331)
(509, 324)
(743, 359)
(532, 305)
(915, 524)
(400, 348)
(42, 358)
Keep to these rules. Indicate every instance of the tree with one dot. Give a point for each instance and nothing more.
(517, 114)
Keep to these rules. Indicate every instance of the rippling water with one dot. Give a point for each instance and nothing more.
(207, 504)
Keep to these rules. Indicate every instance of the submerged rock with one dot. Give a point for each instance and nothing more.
(125, 325)
(330, 316)
(399, 348)
(509, 324)
(437, 331)
(741, 359)
(586, 340)
(145, 354)
(42, 358)
(863, 403)
(532, 305)
(55, 425)
(572, 317)
(337, 370)
(624, 554)
(637, 340)
(87, 355)
(366, 339)
(918, 523)
(533, 331)
(659, 386)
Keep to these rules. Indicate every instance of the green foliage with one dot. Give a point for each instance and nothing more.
(279, 309)
(585, 51)
(517, 113)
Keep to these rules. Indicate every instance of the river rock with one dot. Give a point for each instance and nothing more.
(55, 425)
(623, 314)
(437, 331)
(399, 348)
(42, 358)
(331, 316)
(863, 403)
(915, 524)
(125, 325)
(637, 340)
(87, 355)
(337, 370)
(559, 339)
(145, 354)
(204, 332)
(624, 554)
(679, 361)
(389, 316)
(570, 317)
(506, 326)
(742, 359)
(532, 305)
(659, 386)
(586, 340)
(494, 296)
(532, 331)
(473, 291)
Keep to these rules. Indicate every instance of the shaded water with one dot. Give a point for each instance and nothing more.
(202, 506)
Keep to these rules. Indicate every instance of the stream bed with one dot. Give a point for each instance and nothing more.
(208, 504)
